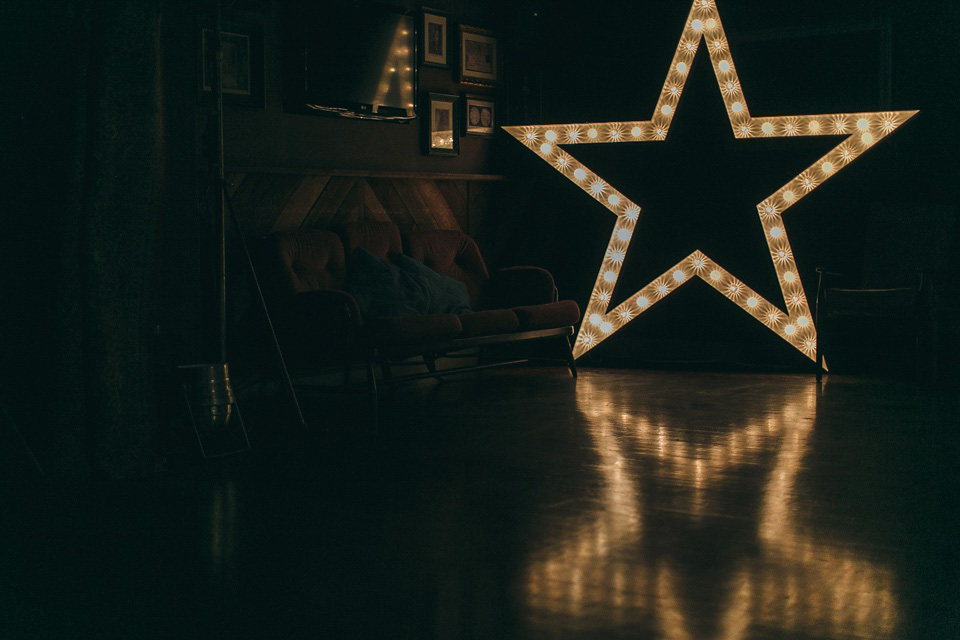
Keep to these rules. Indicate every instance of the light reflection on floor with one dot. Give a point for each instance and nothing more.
(786, 578)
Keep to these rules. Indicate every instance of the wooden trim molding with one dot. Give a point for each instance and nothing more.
(469, 177)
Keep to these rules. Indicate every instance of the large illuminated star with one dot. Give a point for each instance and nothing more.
(792, 321)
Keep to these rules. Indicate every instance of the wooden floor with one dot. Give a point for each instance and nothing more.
(524, 504)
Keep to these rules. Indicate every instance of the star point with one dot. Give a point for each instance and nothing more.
(791, 322)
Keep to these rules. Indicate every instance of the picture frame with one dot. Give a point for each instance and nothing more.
(243, 63)
(442, 125)
(434, 38)
(479, 116)
(478, 56)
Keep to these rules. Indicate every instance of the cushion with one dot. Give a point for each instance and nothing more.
(404, 288)
(487, 323)
(451, 253)
(382, 239)
(399, 330)
(518, 286)
(548, 316)
(443, 294)
(383, 289)
(302, 261)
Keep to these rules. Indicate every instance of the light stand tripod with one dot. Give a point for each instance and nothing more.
(213, 405)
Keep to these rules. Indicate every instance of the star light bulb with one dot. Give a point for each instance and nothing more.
(792, 323)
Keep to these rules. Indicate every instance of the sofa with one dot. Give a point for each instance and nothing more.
(322, 315)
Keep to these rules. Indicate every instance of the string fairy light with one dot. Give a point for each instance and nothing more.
(397, 74)
(792, 322)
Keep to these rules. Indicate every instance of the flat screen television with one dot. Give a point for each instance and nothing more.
(357, 60)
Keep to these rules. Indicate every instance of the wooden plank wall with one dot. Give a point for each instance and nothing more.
(274, 201)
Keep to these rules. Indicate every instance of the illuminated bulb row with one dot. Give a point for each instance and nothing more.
(794, 325)
(864, 129)
(390, 73)
(594, 133)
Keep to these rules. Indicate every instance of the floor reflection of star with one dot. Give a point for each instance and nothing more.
(784, 578)
(790, 318)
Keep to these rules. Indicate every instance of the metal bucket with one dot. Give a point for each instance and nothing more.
(208, 393)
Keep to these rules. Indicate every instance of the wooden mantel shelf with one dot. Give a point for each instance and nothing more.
(470, 177)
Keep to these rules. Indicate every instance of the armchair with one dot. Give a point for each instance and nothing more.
(895, 299)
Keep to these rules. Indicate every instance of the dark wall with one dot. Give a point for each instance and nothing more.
(275, 137)
(91, 178)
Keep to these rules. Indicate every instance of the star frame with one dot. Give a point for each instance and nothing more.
(793, 320)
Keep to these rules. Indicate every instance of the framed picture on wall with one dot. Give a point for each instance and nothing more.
(242, 68)
(479, 116)
(433, 38)
(442, 125)
(478, 56)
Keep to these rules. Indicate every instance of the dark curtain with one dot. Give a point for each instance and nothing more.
(84, 150)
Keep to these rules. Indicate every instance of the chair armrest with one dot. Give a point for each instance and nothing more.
(824, 276)
(824, 272)
(518, 286)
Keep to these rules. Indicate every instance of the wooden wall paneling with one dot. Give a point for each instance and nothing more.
(260, 198)
(298, 207)
(373, 208)
(269, 201)
(385, 189)
(454, 192)
(327, 206)
(426, 204)
(351, 207)
(479, 201)
(438, 210)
